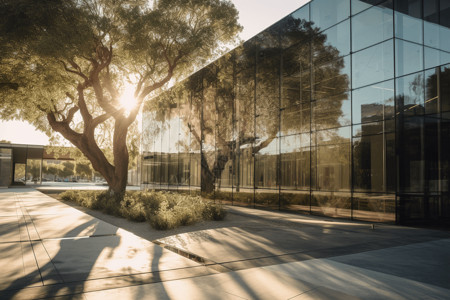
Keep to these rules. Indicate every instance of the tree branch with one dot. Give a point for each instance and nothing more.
(87, 117)
(100, 119)
(76, 72)
(71, 114)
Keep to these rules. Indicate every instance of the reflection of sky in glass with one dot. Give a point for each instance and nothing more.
(370, 27)
(408, 28)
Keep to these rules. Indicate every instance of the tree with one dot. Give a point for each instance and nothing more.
(67, 170)
(83, 169)
(52, 169)
(66, 64)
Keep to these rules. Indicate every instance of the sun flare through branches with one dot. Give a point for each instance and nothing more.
(127, 100)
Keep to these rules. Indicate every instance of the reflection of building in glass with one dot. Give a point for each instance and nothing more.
(341, 108)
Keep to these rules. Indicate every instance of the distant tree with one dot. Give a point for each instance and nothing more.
(83, 169)
(67, 170)
(52, 170)
(66, 65)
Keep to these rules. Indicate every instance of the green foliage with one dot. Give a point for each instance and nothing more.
(83, 169)
(163, 210)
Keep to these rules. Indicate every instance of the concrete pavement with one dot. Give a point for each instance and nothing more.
(49, 249)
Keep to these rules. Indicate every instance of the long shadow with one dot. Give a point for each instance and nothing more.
(65, 273)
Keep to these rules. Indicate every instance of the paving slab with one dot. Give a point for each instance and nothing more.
(9, 229)
(19, 267)
(424, 262)
(68, 226)
(6, 209)
(359, 282)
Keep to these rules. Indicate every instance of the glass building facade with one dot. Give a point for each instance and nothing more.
(341, 109)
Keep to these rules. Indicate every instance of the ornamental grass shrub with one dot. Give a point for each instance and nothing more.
(163, 210)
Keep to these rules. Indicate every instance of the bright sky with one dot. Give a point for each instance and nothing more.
(254, 16)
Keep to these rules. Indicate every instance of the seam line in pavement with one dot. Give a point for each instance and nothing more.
(194, 257)
(24, 211)
(18, 201)
(59, 239)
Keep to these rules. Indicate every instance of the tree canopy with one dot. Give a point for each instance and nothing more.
(66, 64)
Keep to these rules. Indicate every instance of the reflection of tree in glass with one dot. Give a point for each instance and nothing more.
(33, 169)
(222, 96)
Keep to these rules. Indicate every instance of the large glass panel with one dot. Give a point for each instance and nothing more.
(184, 137)
(408, 28)
(410, 208)
(332, 107)
(374, 207)
(194, 86)
(444, 88)
(5, 167)
(165, 148)
(445, 163)
(371, 27)
(332, 43)
(370, 162)
(245, 125)
(432, 103)
(332, 161)
(373, 64)
(302, 13)
(373, 128)
(432, 154)
(373, 103)
(195, 170)
(411, 154)
(243, 184)
(208, 127)
(360, 5)
(183, 168)
(336, 38)
(434, 57)
(410, 94)
(332, 78)
(295, 28)
(225, 138)
(296, 119)
(295, 162)
(266, 155)
(327, 13)
(431, 34)
(266, 173)
(267, 198)
(267, 86)
(333, 204)
(437, 36)
(334, 111)
(295, 200)
(296, 76)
